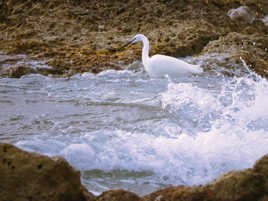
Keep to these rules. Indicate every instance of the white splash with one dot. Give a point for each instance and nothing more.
(265, 20)
(182, 132)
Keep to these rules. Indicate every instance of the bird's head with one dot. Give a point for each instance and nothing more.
(135, 39)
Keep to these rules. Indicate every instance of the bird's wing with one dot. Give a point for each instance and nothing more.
(162, 64)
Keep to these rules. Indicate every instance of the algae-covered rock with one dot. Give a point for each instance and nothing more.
(189, 194)
(28, 176)
(261, 167)
(193, 36)
(237, 185)
(82, 36)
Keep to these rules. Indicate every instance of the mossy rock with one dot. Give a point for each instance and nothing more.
(29, 176)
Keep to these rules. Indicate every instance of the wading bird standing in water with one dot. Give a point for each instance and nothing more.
(161, 65)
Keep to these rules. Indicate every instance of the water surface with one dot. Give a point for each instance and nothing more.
(123, 129)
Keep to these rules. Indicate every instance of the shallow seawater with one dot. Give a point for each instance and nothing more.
(123, 129)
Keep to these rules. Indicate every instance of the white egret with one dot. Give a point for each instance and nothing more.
(160, 65)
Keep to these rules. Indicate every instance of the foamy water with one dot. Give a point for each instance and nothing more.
(125, 130)
(265, 20)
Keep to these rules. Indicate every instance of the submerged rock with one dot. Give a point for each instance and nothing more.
(30, 176)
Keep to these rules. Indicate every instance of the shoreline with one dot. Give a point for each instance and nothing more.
(69, 37)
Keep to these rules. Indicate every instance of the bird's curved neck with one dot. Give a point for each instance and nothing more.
(145, 50)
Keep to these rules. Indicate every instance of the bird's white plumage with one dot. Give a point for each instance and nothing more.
(160, 65)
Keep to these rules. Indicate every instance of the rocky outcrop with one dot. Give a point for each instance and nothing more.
(82, 36)
(29, 176)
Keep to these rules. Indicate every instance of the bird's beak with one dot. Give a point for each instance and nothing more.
(128, 43)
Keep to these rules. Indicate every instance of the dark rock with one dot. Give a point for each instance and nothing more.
(194, 36)
(19, 71)
(29, 176)
(3, 10)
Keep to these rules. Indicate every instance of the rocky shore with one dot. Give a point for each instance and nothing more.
(30, 176)
(67, 37)
(75, 36)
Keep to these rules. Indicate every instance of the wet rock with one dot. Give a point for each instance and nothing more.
(118, 195)
(251, 48)
(261, 167)
(19, 71)
(242, 14)
(30, 176)
(16, 66)
(249, 184)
